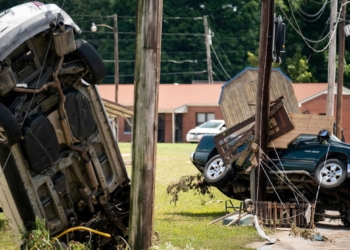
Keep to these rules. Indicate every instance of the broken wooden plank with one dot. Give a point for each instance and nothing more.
(244, 154)
(303, 124)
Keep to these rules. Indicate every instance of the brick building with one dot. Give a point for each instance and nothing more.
(181, 107)
(312, 98)
(184, 106)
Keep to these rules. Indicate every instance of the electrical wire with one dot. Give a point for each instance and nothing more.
(217, 58)
(312, 41)
(215, 73)
(226, 57)
(317, 15)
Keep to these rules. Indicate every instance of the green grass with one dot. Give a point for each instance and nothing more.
(7, 240)
(184, 225)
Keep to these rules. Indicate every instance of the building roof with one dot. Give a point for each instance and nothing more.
(171, 96)
(308, 91)
(304, 91)
(116, 110)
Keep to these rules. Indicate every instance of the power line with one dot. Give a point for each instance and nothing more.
(220, 62)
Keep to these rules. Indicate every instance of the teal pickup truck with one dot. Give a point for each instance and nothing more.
(310, 163)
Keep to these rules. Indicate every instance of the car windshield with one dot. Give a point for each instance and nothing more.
(210, 125)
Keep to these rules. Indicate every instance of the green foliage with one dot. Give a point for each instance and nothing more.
(4, 223)
(297, 67)
(39, 238)
(169, 246)
(236, 27)
(253, 60)
(195, 183)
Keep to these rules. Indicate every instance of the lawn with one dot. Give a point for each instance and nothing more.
(184, 225)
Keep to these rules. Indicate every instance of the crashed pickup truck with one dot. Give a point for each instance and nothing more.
(59, 160)
(301, 165)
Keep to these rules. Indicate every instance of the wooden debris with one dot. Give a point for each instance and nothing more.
(303, 124)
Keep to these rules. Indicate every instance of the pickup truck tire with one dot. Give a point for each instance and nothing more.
(96, 67)
(216, 173)
(10, 131)
(331, 174)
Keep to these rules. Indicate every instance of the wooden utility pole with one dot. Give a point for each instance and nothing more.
(331, 59)
(338, 119)
(144, 148)
(207, 34)
(263, 94)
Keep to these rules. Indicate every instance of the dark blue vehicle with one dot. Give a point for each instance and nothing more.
(308, 162)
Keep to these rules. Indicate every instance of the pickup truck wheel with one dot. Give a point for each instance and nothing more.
(331, 174)
(96, 67)
(10, 131)
(216, 173)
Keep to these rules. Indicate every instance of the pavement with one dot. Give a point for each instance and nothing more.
(335, 237)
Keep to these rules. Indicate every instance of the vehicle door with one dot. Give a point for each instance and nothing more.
(302, 154)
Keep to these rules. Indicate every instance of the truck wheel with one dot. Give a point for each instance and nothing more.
(216, 173)
(331, 174)
(10, 132)
(96, 67)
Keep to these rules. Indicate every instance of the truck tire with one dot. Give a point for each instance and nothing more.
(216, 173)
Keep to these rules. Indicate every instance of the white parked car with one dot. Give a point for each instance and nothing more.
(209, 127)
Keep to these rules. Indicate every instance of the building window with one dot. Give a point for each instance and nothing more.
(128, 125)
(204, 117)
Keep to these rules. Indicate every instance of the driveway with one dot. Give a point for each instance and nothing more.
(336, 233)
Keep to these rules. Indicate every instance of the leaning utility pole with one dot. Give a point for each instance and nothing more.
(261, 132)
(144, 147)
(331, 58)
(338, 120)
(207, 34)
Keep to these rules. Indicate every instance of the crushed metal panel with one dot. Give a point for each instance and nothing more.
(303, 124)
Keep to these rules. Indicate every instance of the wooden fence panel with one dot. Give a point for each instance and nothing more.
(273, 214)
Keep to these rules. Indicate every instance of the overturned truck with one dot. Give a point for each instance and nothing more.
(59, 160)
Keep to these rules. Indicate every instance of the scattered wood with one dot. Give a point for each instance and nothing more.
(273, 214)
(303, 124)
(228, 141)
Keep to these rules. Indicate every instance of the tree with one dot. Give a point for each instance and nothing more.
(297, 67)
